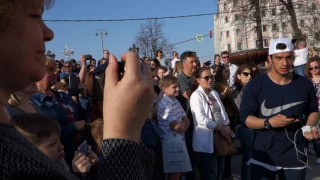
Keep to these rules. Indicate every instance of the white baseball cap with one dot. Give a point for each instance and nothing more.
(287, 46)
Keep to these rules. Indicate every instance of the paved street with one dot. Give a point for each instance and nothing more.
(312, 174)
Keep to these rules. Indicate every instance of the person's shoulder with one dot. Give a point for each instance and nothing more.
(195, 94)
(259, 79)
(256, 83)
(181, 76)
(31, 160)
(301, 80)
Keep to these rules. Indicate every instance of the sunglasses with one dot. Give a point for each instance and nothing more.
(208, 77)
(247, 74)
(66, 66)
(225, 57)
(107, 53)
(316, 67)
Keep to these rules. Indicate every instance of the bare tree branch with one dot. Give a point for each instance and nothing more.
(150, 38)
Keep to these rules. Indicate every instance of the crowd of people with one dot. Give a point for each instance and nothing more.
(111, 119)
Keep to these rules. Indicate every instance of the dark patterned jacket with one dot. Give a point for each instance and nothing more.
(121, 159)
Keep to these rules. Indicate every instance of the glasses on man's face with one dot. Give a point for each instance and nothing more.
(175, 54)
(207, 77)
(225, 57)
(247, 74)
(316, 68)
(66, 66)
(107, 53)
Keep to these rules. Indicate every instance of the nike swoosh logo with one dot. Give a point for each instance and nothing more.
(269, 112)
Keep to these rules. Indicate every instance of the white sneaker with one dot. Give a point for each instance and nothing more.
(318, 161)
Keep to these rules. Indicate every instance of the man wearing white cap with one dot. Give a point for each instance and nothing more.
(274, 104)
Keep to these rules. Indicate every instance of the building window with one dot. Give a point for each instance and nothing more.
(266, 42)
(274, 27)
(257, 43)
(264, 28)
(236, 17)
(229, 48)
(227, 34)
(226, 19)
(225, 6)
(315, 20)
(273, 12)
(239, 46)
(263, 13)
(302, 23)
(238, 32)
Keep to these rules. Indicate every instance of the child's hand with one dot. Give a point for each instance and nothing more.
(81, 163)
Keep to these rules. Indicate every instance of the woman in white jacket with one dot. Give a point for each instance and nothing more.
(209, 115)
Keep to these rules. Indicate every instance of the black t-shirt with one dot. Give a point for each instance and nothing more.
(263, 98)
(185, 83)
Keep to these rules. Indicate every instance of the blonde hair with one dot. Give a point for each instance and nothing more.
(177, 67)
(49, 62)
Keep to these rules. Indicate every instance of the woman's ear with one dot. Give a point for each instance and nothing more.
(239, 76)
(99, 141)
(197, 80)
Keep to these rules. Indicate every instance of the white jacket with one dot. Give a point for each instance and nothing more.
(301, 57)
(202, 140)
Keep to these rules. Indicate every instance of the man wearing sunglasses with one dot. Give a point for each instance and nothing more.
(105, 59)
(225, 60)
(301, 58)
(282, 109)
(175, 59)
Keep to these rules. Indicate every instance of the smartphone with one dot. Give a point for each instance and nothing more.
(83, 148)
(295, 117)
(88, 57)
(121, 69)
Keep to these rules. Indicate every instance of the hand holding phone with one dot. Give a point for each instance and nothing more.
(83, 148)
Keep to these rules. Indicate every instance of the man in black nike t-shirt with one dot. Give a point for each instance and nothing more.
(277, 105)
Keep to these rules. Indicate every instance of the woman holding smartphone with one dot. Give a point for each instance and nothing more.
(23, 37)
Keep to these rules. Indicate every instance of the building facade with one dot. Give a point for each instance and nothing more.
(234, 25)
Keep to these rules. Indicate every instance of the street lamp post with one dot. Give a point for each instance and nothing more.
(134, 48)
(67, 52)
(101, 32)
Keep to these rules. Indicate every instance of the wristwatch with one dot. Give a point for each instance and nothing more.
(267, 125)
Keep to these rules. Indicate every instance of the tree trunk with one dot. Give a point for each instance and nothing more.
(294, 23)
(258, 22)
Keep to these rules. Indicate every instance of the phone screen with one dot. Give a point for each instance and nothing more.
(121, 69)
(83, 148)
